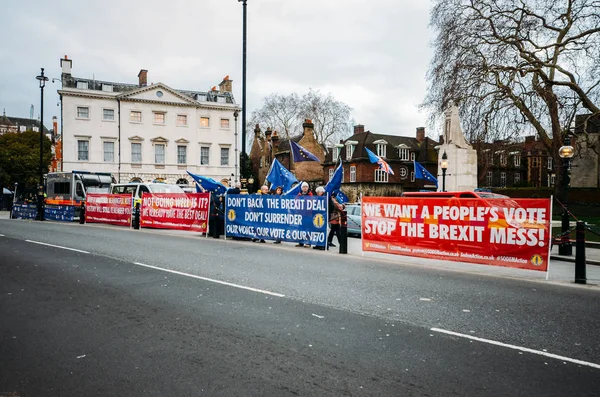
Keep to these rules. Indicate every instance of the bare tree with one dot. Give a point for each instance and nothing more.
(516, 66)
(286, 114)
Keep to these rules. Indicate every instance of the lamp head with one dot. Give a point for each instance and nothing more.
(235, 114)
(42, 79)
(444, 163)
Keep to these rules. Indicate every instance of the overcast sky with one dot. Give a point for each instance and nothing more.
(370, 54)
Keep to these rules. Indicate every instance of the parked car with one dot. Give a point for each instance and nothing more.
(354, 219)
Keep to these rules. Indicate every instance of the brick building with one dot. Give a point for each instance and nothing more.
(361, 177)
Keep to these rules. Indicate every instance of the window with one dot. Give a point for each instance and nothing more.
(352, 173)
(517, 160)
(181, 154)
(225, 124)
(488, 178)
(535, 162)
(109, 151)
(412, 176)
(381, 175)
(489, 158)
(108, 114)
(159, 153)
(107, 88)
(503, 179)
(182, 120)
(517, 178)
(551, 180)
(159, 118)
(221, 99)
(135, 116)
(82, 85)
(502, 159)
(22, 128)
(335, 154)
(403, 154)
(331, 171)
(550, 163)
(83, 112)
(136, 153)
(83, 150)
(412, 156)
(403, 172)
(204, 151)
(381, 150)
(349, 151)
(36, 129)
(224, 156)
(204, 122)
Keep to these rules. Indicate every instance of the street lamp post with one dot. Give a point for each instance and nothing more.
(235, 116)
(244, 5)
(40, 199)
(444, 168)
(566, 153)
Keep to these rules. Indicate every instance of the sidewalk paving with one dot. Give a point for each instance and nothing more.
(561, 268)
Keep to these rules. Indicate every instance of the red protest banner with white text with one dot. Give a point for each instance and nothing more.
(501, 232)
(114, 209)
(175, 211)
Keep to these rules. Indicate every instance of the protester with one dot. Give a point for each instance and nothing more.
(236, 189)
(264, 190)
(304, 191)
(320, 191)
(335, 214)
(278, 192)
(216, 211)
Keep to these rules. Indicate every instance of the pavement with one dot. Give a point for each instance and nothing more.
(561, 268)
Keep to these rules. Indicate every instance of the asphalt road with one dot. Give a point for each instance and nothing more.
(147, 313)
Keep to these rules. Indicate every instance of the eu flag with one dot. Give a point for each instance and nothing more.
(301, 154)
(280, 176)
(422, 173)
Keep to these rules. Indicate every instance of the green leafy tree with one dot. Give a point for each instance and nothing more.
(20, 159)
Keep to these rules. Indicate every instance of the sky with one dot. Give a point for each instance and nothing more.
(372, 55)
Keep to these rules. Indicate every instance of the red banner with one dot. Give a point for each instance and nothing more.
(114, 209)
(175, 211)
(501, 232)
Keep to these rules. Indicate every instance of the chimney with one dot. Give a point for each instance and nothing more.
(66, 64)
(275, 140)
(309, 128)
(54, 128)
(225, 85)
(257, 131)
(143, 78)
(441, 139)
(359, 129)
(529, 138)
(268, 134)
(420, 134)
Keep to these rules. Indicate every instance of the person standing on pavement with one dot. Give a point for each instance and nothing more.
(264, 190)
(304, 191)
(320, 191)
(278, 192)
(335, 215)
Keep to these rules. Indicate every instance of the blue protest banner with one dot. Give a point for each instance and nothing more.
(24, 211)
(65, 213)
(300, 219)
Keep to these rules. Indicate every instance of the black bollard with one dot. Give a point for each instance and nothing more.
(136, 216)
(344, 232)
(82, 214)
(580, 277)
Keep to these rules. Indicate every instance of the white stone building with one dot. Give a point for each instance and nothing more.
(142, 132)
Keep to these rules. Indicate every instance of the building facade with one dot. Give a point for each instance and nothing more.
(361, 177)
(147, 132)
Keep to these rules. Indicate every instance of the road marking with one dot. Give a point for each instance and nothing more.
(1, 235)
(523, 349)
(57, 246)
(211, 280)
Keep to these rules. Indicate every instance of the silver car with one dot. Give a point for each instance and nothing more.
(354, 219)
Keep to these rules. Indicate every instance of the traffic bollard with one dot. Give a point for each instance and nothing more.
(136, 216)
(344, 232)
(580, 277)
(82, 214)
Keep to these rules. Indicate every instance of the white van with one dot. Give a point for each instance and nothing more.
(136, 189)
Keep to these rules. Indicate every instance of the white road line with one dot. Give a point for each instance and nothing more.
(57, 246)
(1, 235)
(523, 349)
(211, 280)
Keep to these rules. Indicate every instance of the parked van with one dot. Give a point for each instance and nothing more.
(136, 189)
(71, 188)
